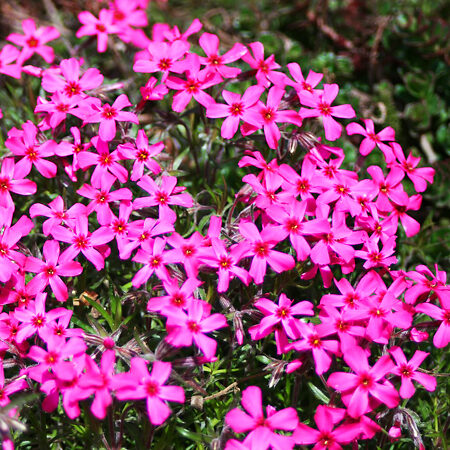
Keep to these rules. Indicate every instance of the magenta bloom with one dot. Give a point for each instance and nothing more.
(238, 108)
(99, 381)
(260, 247)
(270, 115)
(83, 241)
(217, 63)
(302, 84)
(185, 327)
(9, 54)
(50, 270)
(321, 107)
(371, 139)
(442, 335)
(150, 386)
(108, 115)
(33, 41)
(407, 371)
(102, 197)
(325, 437)
(364, 382)
(142, 154)
(262, 429)
(100, 27)
(70, 83)
(24, 143)
(12, 180)
(194, 86)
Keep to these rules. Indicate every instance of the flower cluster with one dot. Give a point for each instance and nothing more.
(297, 218)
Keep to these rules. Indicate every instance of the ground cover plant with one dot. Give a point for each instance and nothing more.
(206, 244)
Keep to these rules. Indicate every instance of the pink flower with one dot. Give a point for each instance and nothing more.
(194, 86)
(108, 115)
(142, 154)
(407, 371)
(103, 160)
(265, 72)
(321, 107)
(280, 319)
(152, 91)
(371, 139)
(102, 197)
(237, 108)
(70, 83)
(33, 41)
(163, 196)
(81, 240)
(262, 429)
(150, 386)
(100, 27)
(99, 381)
(312, 80)
(57, 108)
(442, 336)
(24, 143)
(364, 382)
(325, 437)
(185, 327)
(260, 247)
(12, 180)
(269, 115)
(49, 272)
(419, 176)
(9, 54)
(215, 62)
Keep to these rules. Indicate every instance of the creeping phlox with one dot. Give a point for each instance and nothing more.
(297, 219)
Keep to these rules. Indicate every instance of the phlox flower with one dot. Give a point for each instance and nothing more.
(153, 91)
(262, 429)
(442, 336)
(300, 83)
(364, 381)
(81, 240)
(401, 204)
(50, 271)
(321, 107)
(418, 175)
(56, 213)
(217, 63)
(162, 196)
(374, 256)
(67, 79)
(163, 57)
(425, 285)
(279, 318)
(325, 437)
(260, 246)
(237, 108)
(10, 259)
(387, 188)
(8, 388)
(142, 153)
(103, 160)
(183, 328)
(33, 41)
(56, 109)
(25, 143)
(194, 85)
(99, 381)
(269, 115)
(34, 318)
(8, 66)
(154, 257)
(12, 179)
(101, 27)
(407, 371)
(225, 260)
(371, 140)
(265, 68)
(150, 386)
(108, 115)
(102, 197)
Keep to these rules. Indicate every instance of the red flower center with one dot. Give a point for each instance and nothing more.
(152, 388)
(164, 64)
(324, 109)
(109, 112)
(215, 60)
(283, 312)
(100, 27)
(142, 155)
(193, 326)
(261, 249)
(32, 42)
(293, 226)
(365, 381)
(31, 153)
(50, 270)
(162, 198)
(406, 371)
(4, 184)
(81, 241)
(225, 262)
(236, 109)
(72, 88)
(38, 320)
